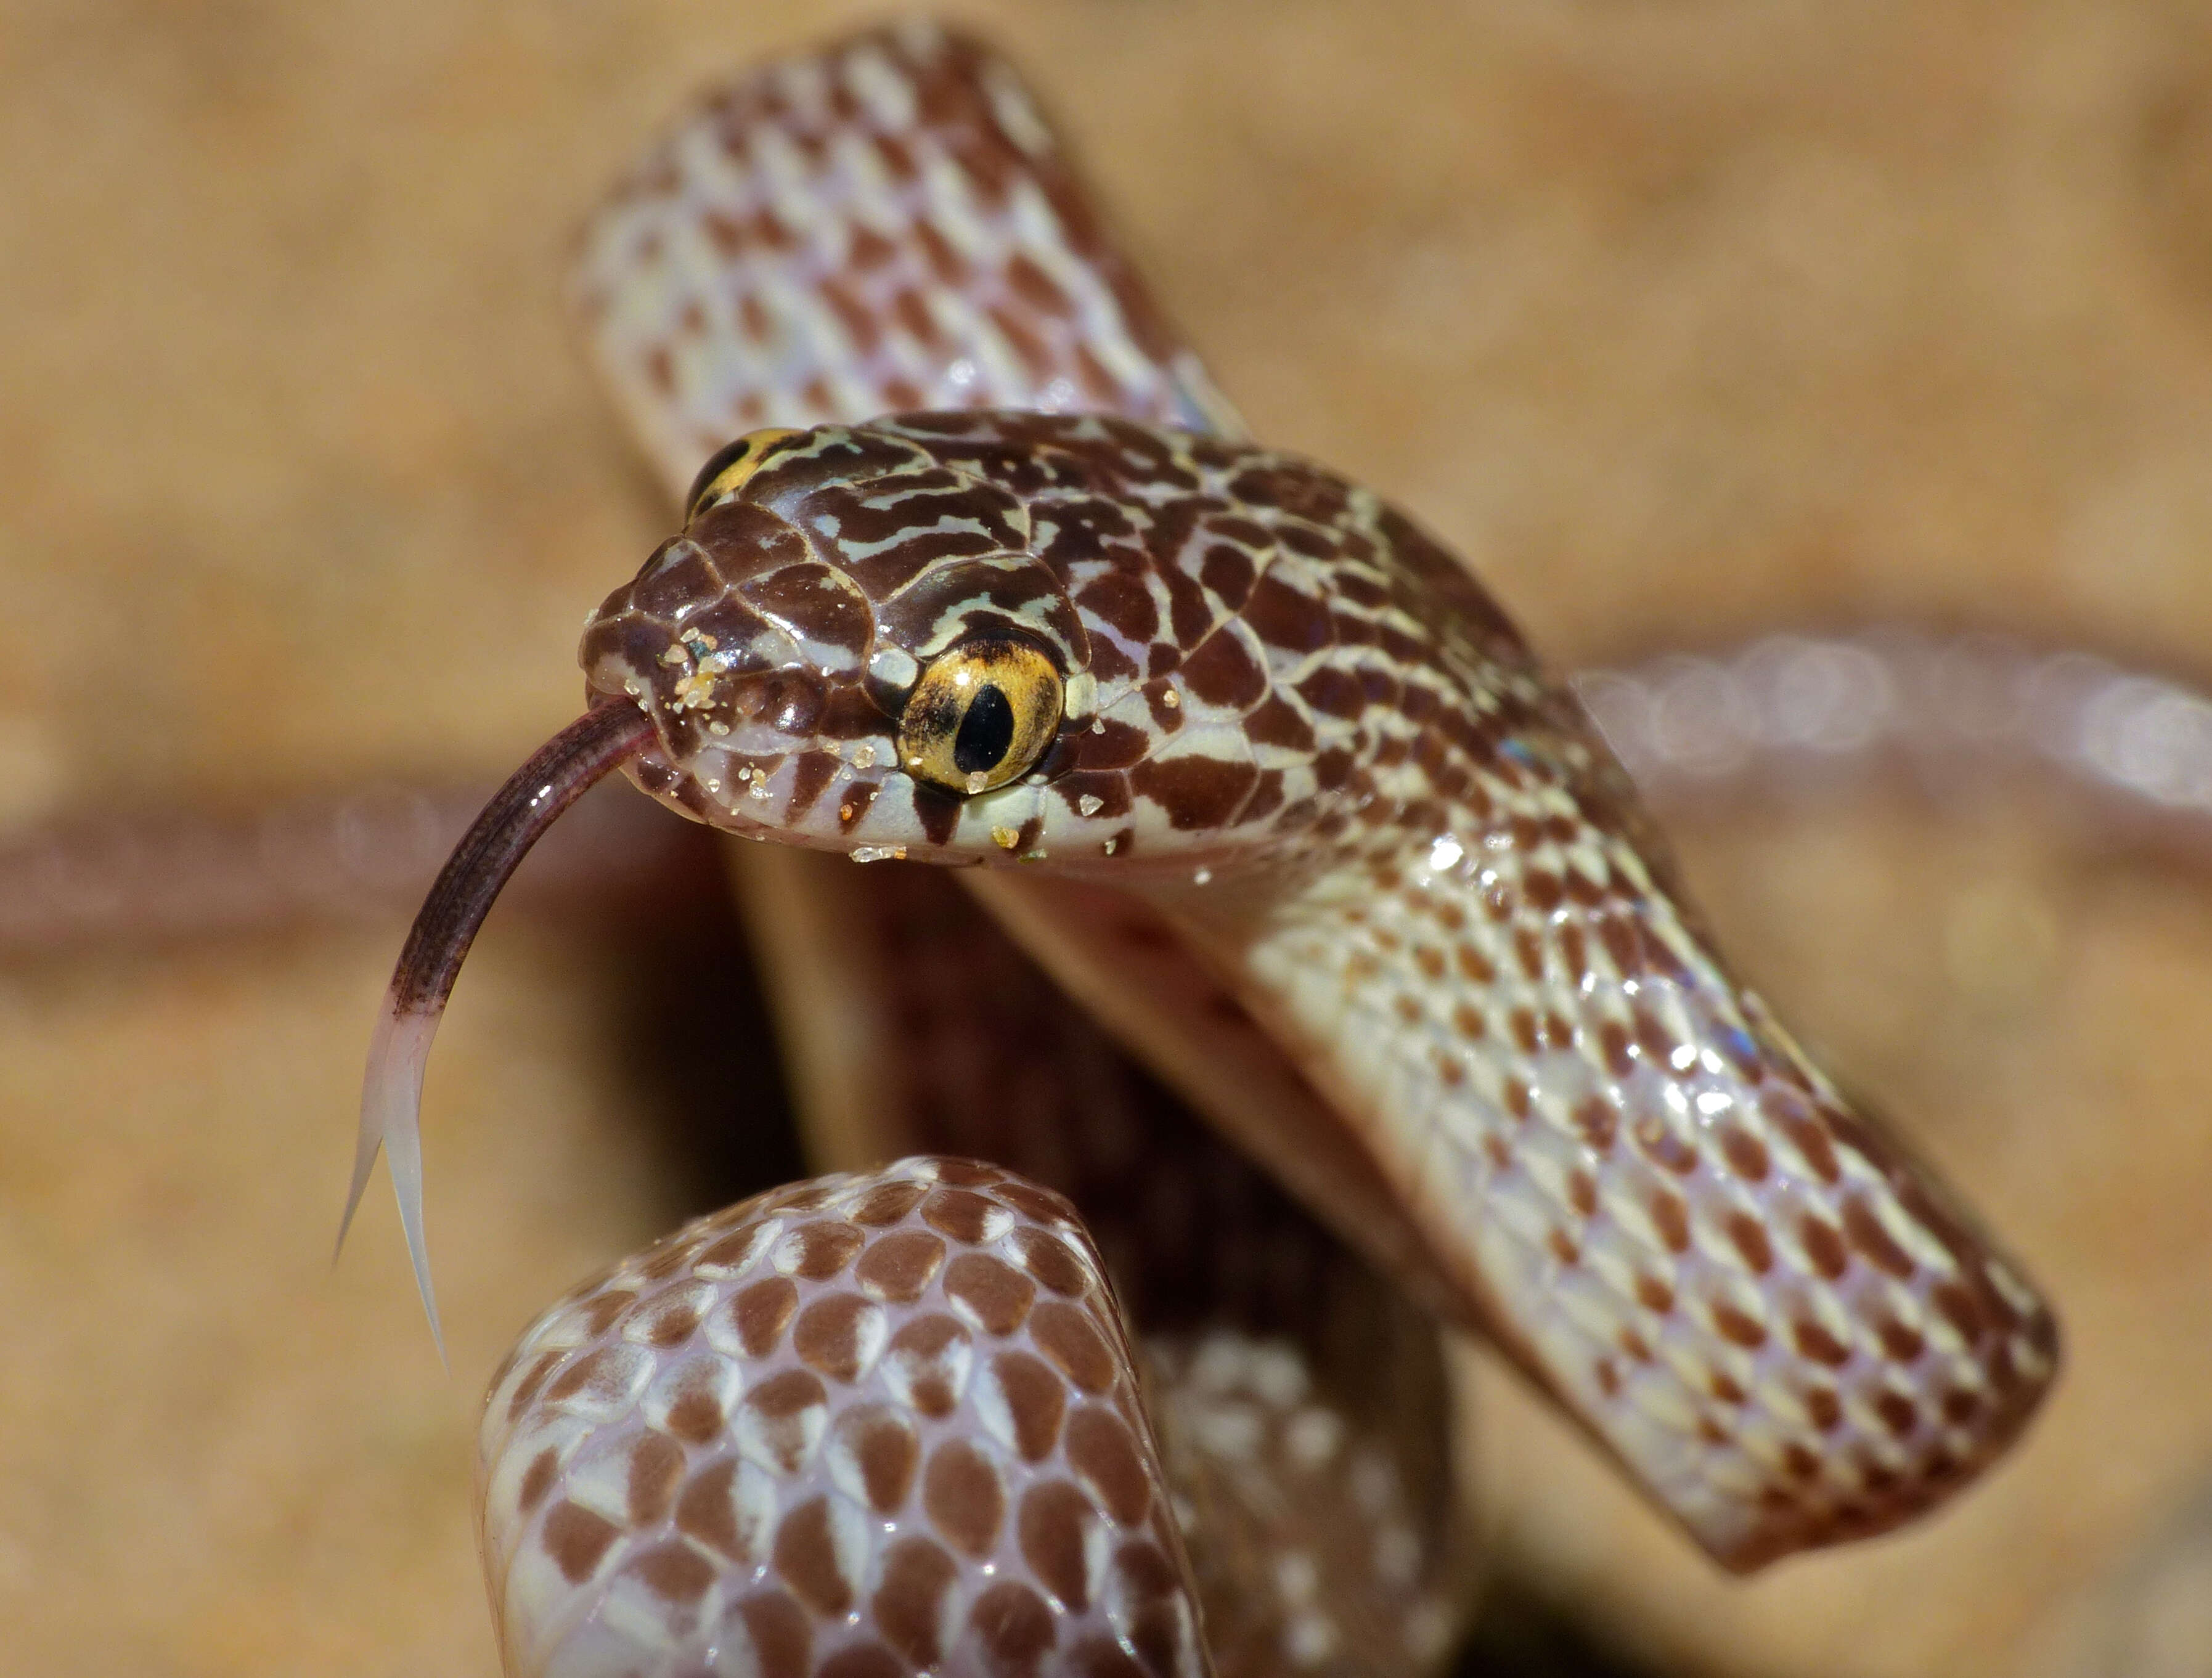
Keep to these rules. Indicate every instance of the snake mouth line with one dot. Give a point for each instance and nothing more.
(533, 798)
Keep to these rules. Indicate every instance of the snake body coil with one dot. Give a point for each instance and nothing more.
(1228, 740)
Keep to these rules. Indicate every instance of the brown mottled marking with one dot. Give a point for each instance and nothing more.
(815, 1251)
(1047, 1260)
(603, 1312)
(839, 1335)
(1149, 1580)
(596, 1375)
(1750, 1239)
(762, 1311)
(706, 1513)
(860, 1660)
(899, 1265)
(910, 1602)
(784, 1416)
(1035, 1402)
(1672, 1218)
(543, 1468)
(1067, 1336)
(1824, 1246)
(731, 1254)
(669, 1322)
(884, 1450)
(695, 1414)
(1902, 1343)
(1015, 1626)
(928, 1363)
(990, 1294)
(1745, 1154)
(806, 1557)
(962, 1494)
(1100, 1450)
(656, 1470)
(1053, 1521)
(1897, 1411)
(675, 1574)
(887, 1205)
(965, 1217)
(1874, 1243)
(577, 1539)
(783, 1641)
(1737, 1328)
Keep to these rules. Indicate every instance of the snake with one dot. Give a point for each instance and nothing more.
(983, 581)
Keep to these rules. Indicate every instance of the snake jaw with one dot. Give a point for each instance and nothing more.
(517, 816)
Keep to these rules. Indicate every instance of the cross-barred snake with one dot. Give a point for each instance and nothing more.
(1237, 746)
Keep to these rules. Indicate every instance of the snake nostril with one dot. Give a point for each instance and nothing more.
(786, 700)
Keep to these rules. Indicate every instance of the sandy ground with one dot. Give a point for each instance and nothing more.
(1683, 320)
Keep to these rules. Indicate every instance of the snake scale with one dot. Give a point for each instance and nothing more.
(1256, 769)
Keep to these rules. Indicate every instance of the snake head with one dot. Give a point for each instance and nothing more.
(943, 636)
(851, 645)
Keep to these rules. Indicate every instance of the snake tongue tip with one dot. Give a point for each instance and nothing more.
(391, 1120)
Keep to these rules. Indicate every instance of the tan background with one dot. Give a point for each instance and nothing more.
(1683, 319)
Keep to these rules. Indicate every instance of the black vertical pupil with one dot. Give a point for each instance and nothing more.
(985, 732)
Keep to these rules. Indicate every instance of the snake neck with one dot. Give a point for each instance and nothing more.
(1733, 1278)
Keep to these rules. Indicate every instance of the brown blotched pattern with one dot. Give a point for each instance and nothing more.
(887, 224)
(1316, 1552)
(869, 1424)
(1303, 1406)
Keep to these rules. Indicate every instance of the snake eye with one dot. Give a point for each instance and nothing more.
(981, 715)
(730, 465)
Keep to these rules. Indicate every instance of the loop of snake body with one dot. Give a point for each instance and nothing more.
(1255, 770)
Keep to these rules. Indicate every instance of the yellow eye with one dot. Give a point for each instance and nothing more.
(730, 465)
(981, 714)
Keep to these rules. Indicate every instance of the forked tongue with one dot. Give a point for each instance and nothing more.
(517, 816)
